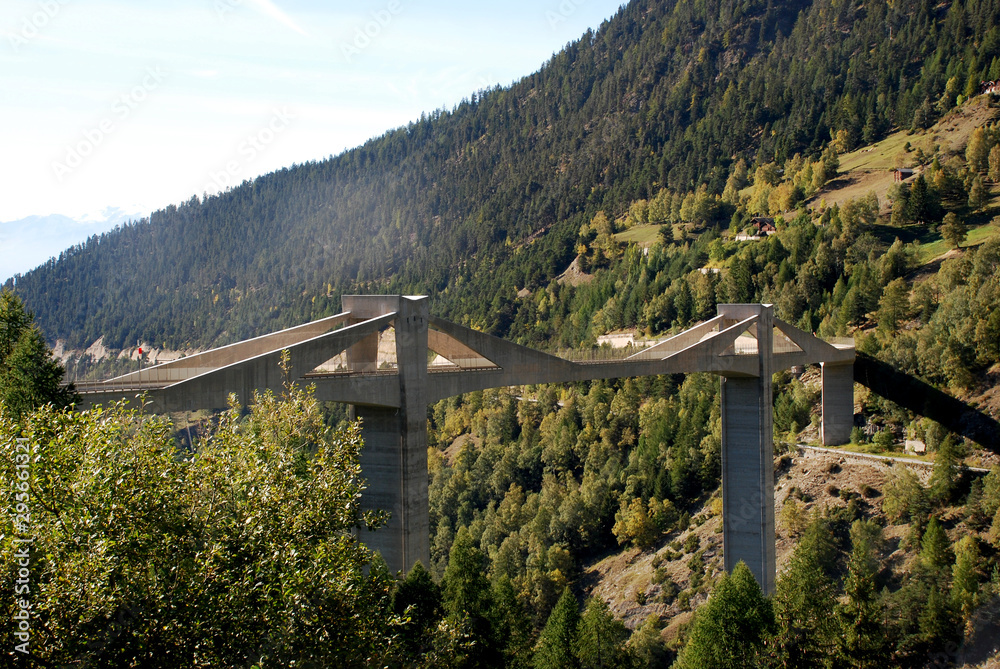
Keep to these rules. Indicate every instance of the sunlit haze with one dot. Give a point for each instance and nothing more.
(138, 105)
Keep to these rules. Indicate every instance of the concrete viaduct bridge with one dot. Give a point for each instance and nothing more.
(744, 344)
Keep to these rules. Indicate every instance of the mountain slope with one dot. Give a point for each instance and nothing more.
(666, 94)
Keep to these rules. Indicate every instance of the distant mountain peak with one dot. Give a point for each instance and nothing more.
(28, 242)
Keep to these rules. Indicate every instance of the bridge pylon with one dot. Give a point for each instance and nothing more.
(748, 454)
(394, 459)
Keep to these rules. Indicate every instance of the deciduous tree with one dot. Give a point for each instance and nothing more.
(244, 552)
(953, 229)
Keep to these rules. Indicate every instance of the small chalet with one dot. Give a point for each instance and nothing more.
(764, 225)
(902, 174)
(990, 88)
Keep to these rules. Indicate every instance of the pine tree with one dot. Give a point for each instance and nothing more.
(417, 600)
(918, 204)
(730, 629)
(977, 193)
(468, 600)
(465, 587)
(953, 229)
(935, 549)
(991, 492)
(29, 376)
(944, 479)
(994, 164)
(977, 151)
(601, 638)
(646, 645)
(965, 577)
(804, 598)
(893, 305)
(862, 641)
(936, 620)
(511, 624)
(555, 649)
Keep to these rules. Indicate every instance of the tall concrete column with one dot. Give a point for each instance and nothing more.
(382, 467)
(838, 403)
(748, 456)
(411, 354)
(394, 457)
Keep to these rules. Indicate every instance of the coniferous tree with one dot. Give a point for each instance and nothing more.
(919, 202)
(556, 644)
(731, 628)
(805, 595)
(926, 613)
(601, 638)
(893, 305)
(29, 375)
(511, 625)
(994, 164)
(978, 194)
(935, 548)
(646, 645)
(862, 641)
(468, 600)
(418, 602)
(944, 479)
(953, 229)
(966, 576)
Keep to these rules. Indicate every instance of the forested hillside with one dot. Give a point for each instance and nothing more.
(686, 154)
(666, 94)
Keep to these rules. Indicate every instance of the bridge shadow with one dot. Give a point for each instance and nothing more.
(926, 400)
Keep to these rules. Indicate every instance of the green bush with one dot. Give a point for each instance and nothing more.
(244, 552)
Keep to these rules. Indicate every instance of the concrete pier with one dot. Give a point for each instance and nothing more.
(838, 403)
(748, 457)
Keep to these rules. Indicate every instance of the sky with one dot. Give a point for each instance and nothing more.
(136, 105)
